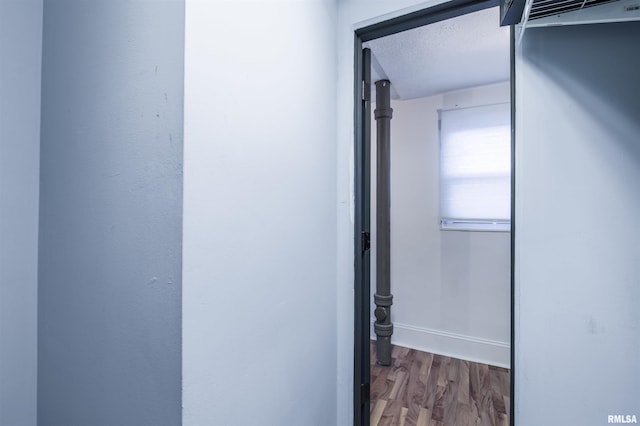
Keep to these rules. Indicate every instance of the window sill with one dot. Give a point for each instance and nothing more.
(475, 225)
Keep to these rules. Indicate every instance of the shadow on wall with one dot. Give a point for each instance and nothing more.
(596, 87)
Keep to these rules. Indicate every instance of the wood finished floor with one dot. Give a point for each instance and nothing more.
(423, 389)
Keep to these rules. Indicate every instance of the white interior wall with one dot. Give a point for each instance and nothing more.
(577, 207)
(259, 259)
(20, 63)
(451, 288)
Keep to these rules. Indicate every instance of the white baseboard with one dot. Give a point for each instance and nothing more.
(454, 345)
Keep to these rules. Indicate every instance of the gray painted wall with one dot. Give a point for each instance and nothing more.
(20, 59)
(577, 232)
(110, 214)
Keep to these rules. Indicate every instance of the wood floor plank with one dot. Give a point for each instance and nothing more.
(451, 399)
(507, 404)
(464, 384)
(403, 416)
(424, 417)
(438, 405)
(432, 383)
(444, 371)
(398, 384)
(426, 366)
(378, 386)
(415, 388)
(378, 410)
(392, 414)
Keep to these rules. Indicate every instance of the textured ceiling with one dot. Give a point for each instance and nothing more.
(466, 51)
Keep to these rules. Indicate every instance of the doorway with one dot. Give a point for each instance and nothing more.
(368, 37)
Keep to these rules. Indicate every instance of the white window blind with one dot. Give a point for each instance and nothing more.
(475, 168)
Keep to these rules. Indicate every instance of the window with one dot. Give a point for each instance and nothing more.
(475, 168)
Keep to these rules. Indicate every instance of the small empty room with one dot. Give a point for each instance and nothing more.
(448, 258)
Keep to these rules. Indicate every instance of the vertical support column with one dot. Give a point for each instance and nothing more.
(383, 297)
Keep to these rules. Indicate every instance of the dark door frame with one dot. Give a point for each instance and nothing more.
(362, 151)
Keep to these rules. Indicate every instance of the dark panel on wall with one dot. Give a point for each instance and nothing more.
(109, 298)
(511, 11)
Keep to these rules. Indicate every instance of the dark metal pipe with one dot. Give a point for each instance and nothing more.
(383, 297)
